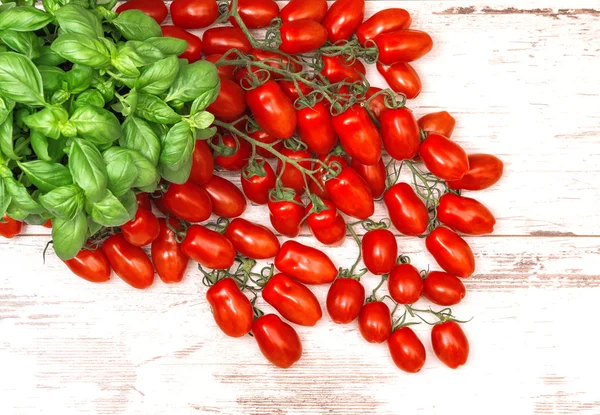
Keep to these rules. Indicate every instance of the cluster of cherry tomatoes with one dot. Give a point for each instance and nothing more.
(298, 95)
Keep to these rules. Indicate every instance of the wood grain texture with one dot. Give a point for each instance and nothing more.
(522, 80)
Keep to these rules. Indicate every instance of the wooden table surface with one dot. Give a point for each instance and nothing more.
(523, 80)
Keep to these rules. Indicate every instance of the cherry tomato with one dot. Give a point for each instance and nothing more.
(384, 21)
(92, 266)
(239, 159)
(194, 43)
(304, 9)
(143, 200)
(336, 69)
(260, 135)
(379, 251)
(438, 122)
(257, 187)
(194, 14)
(272, 109)
(188, 202)
(400, 133)
(304, 263)
(226, 199)
(465, 215)
(484, 171)
(401, 77)
(252, 240)
(403, 46)
(153, 8)
(277, 340)
(358, 135)
(207, 247)
(224, 71)
(451, 252)
(407, 211)
(327, 226)
(230, 103)
(143, 229)
(202, 163)
(48, 223)
(320, 189)
(292, 177)
(375, 322)
(443, 289)
(377, 104)
(302, 36)
(450, 344)
(315, 128)
(343, 18)
(159, 202)
(374, 176)
(407, 351)
(351, 194)
(405, 284)
(294, 301)
(129, 262)
(443, 157)
(256, 14)
(10, 228)
(345, 300)
(290, 90)
(286, 216)
(223, 39)
(167, 256)
(231, 309)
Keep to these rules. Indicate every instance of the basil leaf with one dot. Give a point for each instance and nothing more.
(105, 86)
(168, 45)
(199, 79)
(51, 6)
(39, 143)
(82, 50)
(144, 52)
(122, 173)
(88, 169)
(38, 219)
(6, 6)
(5, 198)
(139, 136)
(24, 19)
(89, 97)
(63, 202)
(159, 76)
(56, 149)
(26, 43)
(148, 176)
(48, 120)
(206, 133)
(46, 176)
(78, 79)
(93, 227)
(154, 109)
(52, 77)
(108, 211)
(178, 146)
(96, 124)
(137, 25)
(178, 176)
(69, 236)
(20, 80)
(202, 120)
(6, 138)
(16, 212)
(73, 18)
(48, 57)
(6, 107)
(21, 197)
(129, 201)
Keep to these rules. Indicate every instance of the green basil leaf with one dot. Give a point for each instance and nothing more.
(6, 107)
(202, 119)
(73, 18)
(168, 45)
(129, 201)
(63, 202)
(38, 219)
(5, 198)
(145, 53)
(125, 65)
(78, 79)
(105, 86)
(16, 212)
(48, 120)
(110, 45)
(122, 173)
(178, 176)
(154, 109)
(24, 19)
(56, 149)
(89, 97)
(137, 25)
(52, 77)
(177, 146)
(48, 57)
(51, 6)
(39, 143)
(6, 138)
(108, 211)
(96, 124)
(69, 236)
(206, 133)
(199, 79)
(82, 50)
(26, 43)
(6, 6)
(20, 80)
(159, 76)
(21, 197)
(93, 228)
(139, 136)
(46, 176)
(148, 177)
(88, 169)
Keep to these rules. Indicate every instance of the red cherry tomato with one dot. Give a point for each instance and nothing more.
(226, 199)
(252, 240)
(438, 122)
(384, 21)
(272, 109)
(407, 211)
(48, 223)
(129, 262)
(153, 8)
(327, 226)
(207, 247)
(260, 135)
(336, 69)
(465, 215)
(202, 163)
(194, 43)
(230, 103)
(345, 300)
(320, 189)
(224, 71)
(358, 135)
(143, 229)
(223, 39)
(401, 77)
(10, 228)
(379, 251)
(290, 90)
(302, 36)
(143, 200)
(451, 252)
(167, 256)
(443, 289)
(343, 18)
(403, 46)
(377, 104)
(304, 263)
(443, 157)
(239, 159)
(159, 202)
(450, 344)
(304, 9)
(351, 194)
(375, 322)
(484, 171)
(400, 133)
(315, 128)
(256, 14)
(257, 187)
(92, 266)
(231, 309)
(286, 216)
(294, 301)
(278, 341)
(405, 284)
(407, 351)
(188, 202)
(374, 176)
(292, 177)
(194, 14)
